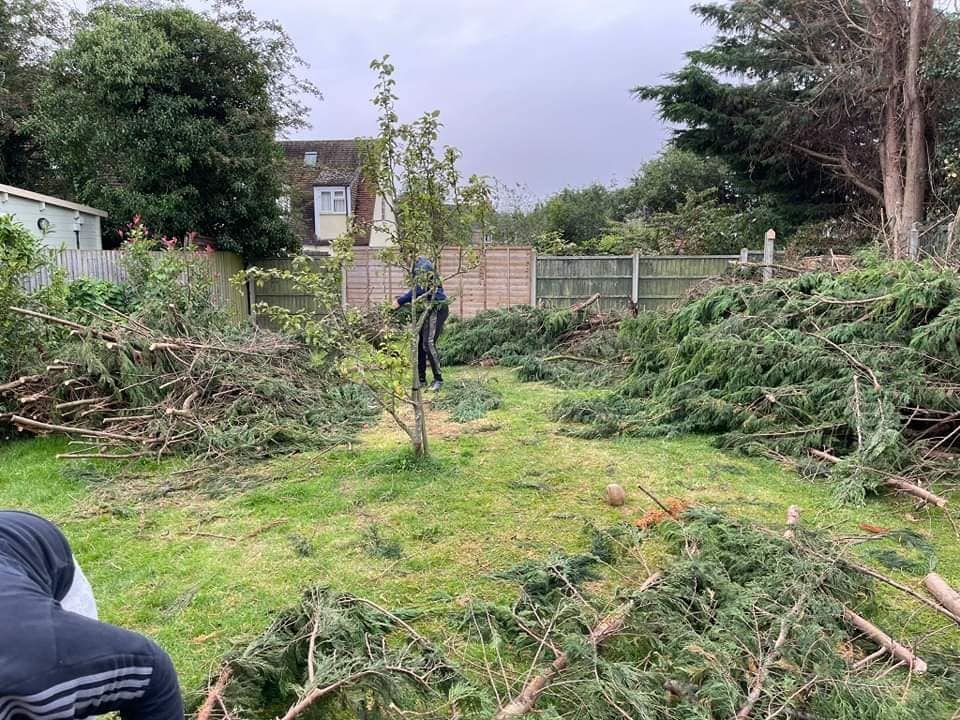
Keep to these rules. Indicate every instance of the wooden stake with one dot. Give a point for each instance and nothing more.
(901, 652)
(942, 591)
(793, 519)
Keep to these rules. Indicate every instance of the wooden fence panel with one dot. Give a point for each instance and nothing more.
(564, 281)
(108, 265)
(661, 281)
(501, 279)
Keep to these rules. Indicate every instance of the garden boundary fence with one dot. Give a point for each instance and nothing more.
(108, 265)
(502, 276)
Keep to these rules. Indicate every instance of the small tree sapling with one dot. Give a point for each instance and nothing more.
(429, 208)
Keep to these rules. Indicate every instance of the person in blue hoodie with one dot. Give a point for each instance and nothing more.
(424, 274)
(57, 661)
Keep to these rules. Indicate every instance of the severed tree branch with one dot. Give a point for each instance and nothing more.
(613, 623)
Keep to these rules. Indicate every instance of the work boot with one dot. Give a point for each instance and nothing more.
(437, 384)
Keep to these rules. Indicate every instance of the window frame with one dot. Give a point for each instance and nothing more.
(332, 190)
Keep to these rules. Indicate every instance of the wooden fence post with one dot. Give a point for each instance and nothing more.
(768, 243)
(252, 300)
(533, 278)
(915, 241)
(744, 256)
(635, 288)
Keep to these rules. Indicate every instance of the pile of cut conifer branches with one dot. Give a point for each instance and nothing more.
(568, 346)
(122, 390)
(853, 377)
(739, 621)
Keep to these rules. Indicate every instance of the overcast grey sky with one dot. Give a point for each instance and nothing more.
(532, 91)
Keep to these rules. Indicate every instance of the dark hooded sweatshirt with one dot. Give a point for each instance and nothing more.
(58, 665)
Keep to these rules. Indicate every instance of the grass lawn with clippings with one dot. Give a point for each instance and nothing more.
(202, 570)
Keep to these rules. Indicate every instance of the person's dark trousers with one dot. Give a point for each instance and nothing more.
(429, 334)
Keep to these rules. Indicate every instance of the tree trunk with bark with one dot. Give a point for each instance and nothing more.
(902, 33)
(421, 447)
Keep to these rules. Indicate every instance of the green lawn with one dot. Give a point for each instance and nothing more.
(201, 572)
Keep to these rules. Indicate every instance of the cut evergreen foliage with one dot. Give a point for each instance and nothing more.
(738, 615)
(503, 334)
(863, 367)
(557, 346)
(379, 545)
(468, 400)
(333, 655)
(132, 392)
(693, 643)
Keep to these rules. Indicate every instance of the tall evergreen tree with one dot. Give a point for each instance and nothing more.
(823, 95)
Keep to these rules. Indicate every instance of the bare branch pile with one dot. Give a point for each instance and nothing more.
(121, 390)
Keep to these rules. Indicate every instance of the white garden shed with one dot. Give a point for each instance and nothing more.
(55, 222)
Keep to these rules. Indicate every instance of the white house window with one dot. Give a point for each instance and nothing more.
(331, 200)
(310, 159)
(283, 202)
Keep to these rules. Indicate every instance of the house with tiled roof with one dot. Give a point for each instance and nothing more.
(327, 191)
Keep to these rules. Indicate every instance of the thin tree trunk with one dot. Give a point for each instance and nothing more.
(420, 445)
(890, 167)
(416, 397)
(915, 122)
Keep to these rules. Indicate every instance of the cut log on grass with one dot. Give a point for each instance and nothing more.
(901, 652)
(946, 595)
(942, 609)
(615, 495)
(901, 484)
(613, 623)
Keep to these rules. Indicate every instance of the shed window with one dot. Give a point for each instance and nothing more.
(310, 159)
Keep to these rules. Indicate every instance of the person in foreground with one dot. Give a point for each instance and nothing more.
(438, 312)
(57, 661)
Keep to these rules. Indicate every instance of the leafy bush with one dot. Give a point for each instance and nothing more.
(171, 289)
(89, 294)
(20, 257)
